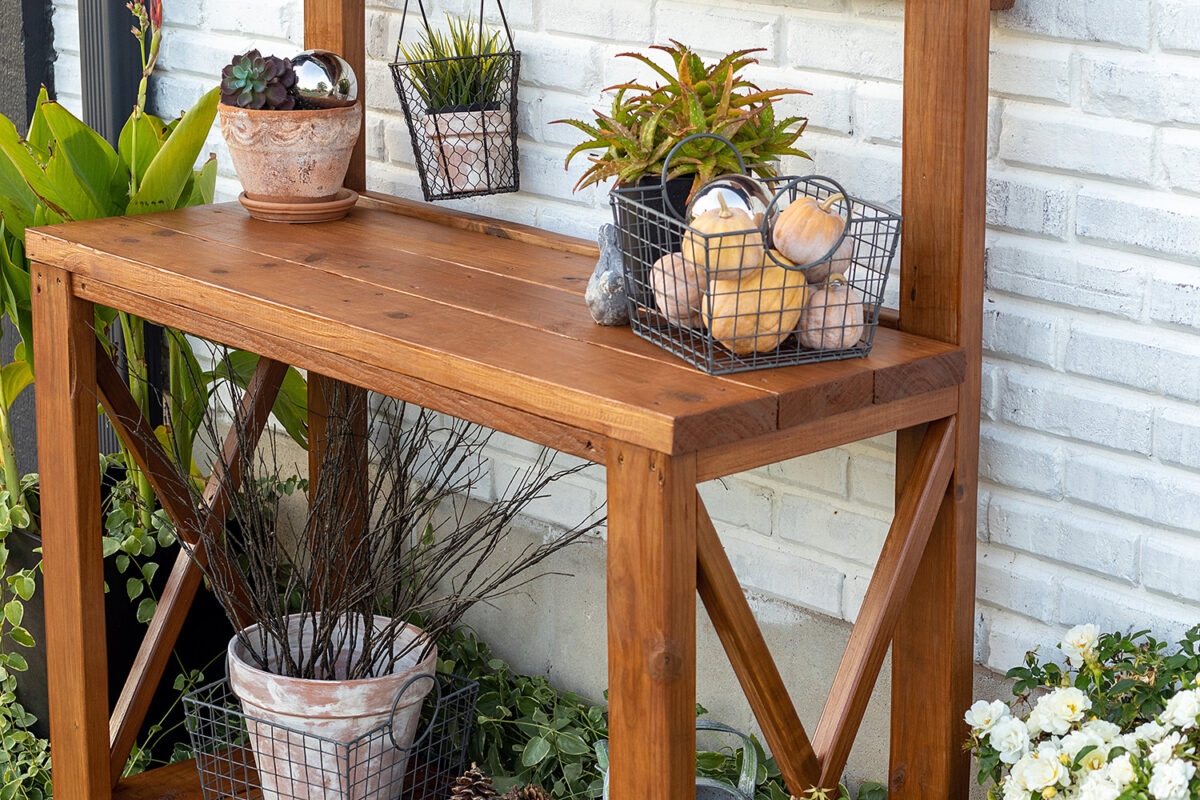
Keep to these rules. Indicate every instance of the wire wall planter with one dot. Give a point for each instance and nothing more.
(461, 112)
(728, 301)
(242, 757)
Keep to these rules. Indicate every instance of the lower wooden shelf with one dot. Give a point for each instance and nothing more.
(179, 781)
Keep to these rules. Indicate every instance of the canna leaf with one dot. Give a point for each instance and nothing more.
(167, 174)
(96, 166)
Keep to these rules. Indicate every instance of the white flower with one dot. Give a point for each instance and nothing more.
(1120, 770)
(1097, 786)
(1075, 741)
(983, 716)
(1055, 712)
(1149, 732)
(1164, 751)
(1183, 709)
(1080, 644)
(1169, 781)
(1035, 771)
(1010, 738)
(1107, 731)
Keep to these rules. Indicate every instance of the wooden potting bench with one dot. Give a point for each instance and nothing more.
(484, 320)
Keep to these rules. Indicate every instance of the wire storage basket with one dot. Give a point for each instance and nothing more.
(306, 766)
(726, 301)
(461, 109)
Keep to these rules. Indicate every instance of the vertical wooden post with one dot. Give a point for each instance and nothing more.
(941, 296)
(69, 465)
(651, 624)
(340, 26)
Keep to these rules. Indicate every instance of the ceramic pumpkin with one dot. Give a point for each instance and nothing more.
(756, 312)
(834, 317)
(807, 229)
(678, 288)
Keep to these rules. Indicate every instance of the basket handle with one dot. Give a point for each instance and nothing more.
(671, 155)
(782, 192)
(425, 20)
(437, 707)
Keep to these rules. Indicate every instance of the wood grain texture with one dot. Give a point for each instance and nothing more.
(751, 660)
(890, 584)
(651, 623)
(154, 653)
(64, 353)
(340, 26)
(178, 781)
(575, 441)
(596, 388)
(944, 173)
(823, 434)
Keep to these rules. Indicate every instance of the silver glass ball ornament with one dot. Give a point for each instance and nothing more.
(325, 79)
(741, 192)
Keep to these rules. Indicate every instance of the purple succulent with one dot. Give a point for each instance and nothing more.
(255, 81)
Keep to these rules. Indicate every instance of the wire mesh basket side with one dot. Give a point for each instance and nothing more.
(725, 303)
(470, 149)
(238, 756)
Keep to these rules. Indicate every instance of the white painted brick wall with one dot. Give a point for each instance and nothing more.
(1090, 447)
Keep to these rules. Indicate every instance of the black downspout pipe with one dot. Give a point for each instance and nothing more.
(111, 65)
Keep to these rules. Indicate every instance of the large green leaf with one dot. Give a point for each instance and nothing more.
(168, 173)
(31, 172)
(16, 286)
(202, 186)
(39, 132)
(17, 201)
(140, 141)
(15, 377)
(93, 160)
(291, 407)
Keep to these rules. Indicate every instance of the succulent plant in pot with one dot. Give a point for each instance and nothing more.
(291, 126)
(646, 121)
(458, 89)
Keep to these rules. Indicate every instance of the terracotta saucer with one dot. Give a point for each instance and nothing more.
(324, 211)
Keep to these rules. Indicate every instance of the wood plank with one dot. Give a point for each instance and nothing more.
(72, 563)
(651, 624)
(475, 275)
(944, 172)
(565, 438)
(464, 220)
(576, 383)
(890, 584)
(752, 661)
(178, 781)
(823, 434)
(340, 26)
(154, 653)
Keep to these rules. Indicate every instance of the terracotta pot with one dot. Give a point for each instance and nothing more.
(293, 765)
(291, 156)
(460, 141)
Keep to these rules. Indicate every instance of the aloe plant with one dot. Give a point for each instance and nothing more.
(458, 69)
(645, 122)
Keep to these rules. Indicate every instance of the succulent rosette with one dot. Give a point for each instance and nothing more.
(255, 81)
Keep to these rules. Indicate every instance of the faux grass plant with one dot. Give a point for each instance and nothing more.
(461, 69)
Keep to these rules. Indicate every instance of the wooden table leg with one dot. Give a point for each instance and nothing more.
(651, 623)
(65, 359)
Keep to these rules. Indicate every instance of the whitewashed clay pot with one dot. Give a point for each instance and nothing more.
(460, 140)
(292, 766)
(291, 156)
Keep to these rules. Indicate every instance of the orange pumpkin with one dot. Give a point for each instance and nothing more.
(731, 243)
(756, 312)
(807, 229)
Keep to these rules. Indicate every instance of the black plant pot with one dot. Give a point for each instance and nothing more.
(645, 238)
(205, 634)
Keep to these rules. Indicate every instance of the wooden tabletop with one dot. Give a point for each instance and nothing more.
(462, 313)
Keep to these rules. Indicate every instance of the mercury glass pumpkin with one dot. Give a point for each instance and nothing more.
(739, 192)
(325, 79)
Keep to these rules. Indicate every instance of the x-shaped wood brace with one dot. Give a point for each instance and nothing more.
(176, 500)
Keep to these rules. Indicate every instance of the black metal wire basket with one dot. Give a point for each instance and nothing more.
(462, 117)
(304, 766)
(727, 301)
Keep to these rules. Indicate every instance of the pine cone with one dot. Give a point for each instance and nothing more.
(530, 792)
(472, 785)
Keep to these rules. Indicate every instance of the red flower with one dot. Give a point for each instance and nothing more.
(156, 13)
